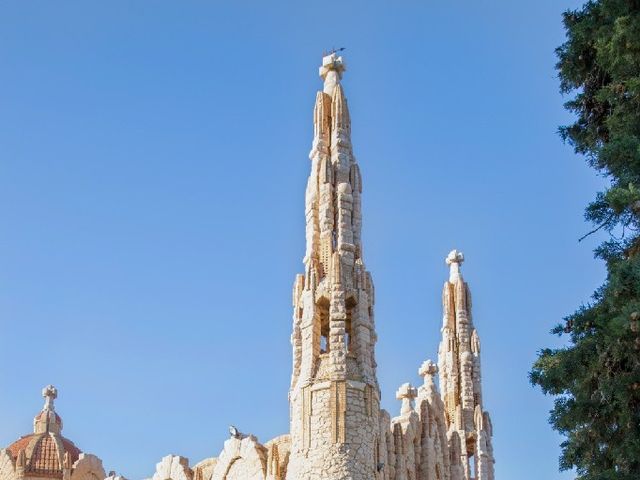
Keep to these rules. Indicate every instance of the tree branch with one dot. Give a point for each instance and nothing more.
(602, 225)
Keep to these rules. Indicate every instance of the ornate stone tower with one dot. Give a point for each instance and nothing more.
(334, 395)
(337, 429)
(460, 380)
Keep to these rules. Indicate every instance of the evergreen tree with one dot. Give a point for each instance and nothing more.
(596, 377)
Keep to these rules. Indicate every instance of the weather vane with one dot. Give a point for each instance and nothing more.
(333, 50)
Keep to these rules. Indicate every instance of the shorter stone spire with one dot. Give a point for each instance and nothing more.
(454, 260)
(48, 420)
(331, 71)
(407, 393)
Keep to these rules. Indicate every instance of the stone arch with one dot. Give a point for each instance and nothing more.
(7, 466)
(173, 467)
(88, 467)
(242, 459)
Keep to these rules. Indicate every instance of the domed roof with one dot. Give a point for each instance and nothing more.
(45, 452)
(48, 416)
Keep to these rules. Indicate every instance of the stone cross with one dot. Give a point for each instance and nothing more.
(454, 260)
(331, 71)
(50, 393)
(406, 393)
(428, 371)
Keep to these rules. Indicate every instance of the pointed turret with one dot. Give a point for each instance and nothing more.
(460, 379)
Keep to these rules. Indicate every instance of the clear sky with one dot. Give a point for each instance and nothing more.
(153, 159)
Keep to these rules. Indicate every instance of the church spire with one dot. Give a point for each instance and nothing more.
(334, 380)
(460, 379)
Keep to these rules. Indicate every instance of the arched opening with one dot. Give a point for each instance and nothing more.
(472, 466)
(323, 314)
(324, 343)
(348, 328)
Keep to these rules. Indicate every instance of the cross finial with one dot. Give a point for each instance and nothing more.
(331, 71)
(428, 368)
(50, 393)
(454, 260)
(428, 371)
(406, 393)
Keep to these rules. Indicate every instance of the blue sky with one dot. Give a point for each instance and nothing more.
(152, 170)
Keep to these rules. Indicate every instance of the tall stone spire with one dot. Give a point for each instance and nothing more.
(334, 393)
(460, 379)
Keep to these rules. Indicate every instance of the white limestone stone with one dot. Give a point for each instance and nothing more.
(173, 467)
(87, 467)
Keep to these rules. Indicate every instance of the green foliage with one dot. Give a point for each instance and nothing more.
(596, 377)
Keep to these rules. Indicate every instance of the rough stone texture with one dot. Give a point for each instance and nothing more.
(7, 465)
(278, 457)
(203, 470)
(337, 429)
(241, 458)
(87, 467)
(173, 467)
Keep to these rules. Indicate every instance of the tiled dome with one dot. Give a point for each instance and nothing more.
(45, 453)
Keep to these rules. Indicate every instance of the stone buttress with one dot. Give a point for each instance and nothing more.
(334, 395)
